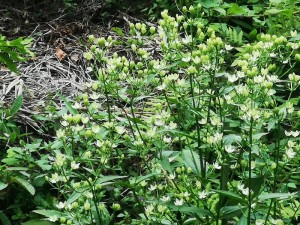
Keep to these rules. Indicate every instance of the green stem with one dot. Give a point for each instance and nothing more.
(249, 168)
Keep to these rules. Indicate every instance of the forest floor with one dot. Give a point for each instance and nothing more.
(59, 38)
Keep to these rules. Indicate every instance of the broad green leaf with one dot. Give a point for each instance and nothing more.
(209, 3)
(4, 219)
(141, 178)
(191, 159)
(3, 186)
(16, 105)
(242, 220)
(165, 163)
(38, 222)
(48, 213)
(232, 138)
(44, 164)
(235, 9)
(231, 195)
(25, 184)
(258, 136)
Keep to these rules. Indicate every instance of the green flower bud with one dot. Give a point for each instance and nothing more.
(138, 26)
(192, 70)
(109, 39)
(87, 206)
(91, 38)
(152, 30)
(88, 56)
(116, 207)
(95, 86)
(101, 41)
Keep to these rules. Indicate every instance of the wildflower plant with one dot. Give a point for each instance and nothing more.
(190, 131)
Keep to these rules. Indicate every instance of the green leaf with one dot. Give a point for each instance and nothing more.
(141, 178)
(118, 30)
(48, 213)
(16, 105)
(229, 212)
(272, 11)
(108, 178)
(25, 184)
(209, 3)
(235, 9)
(242, 220)
(68, 105)
(191, 159)
(8, 62)
(3, 186)
(4, 219)
(252, 34)
(165, 163)
(232, 196)
(276, 195)
(38, 222)
(191, 210)
(75, 195)
(232, 138)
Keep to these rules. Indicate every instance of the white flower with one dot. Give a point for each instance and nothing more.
(232, 78)
(172, 126)
(159, 123)
(202, 194)
(165, 198)
(228, 47)
(54, 178)
(95, 129)
(242, 188)
(292, 133)
(77, 105)
(290, 153)
(259, 79)
(167, 139)
(161, 87)
(120, 130)
(217, 166)
(172, 176)
(74, 165)
(178, 202)
(61, 205)
(149, 209)
(230, 149)
(64, 123)
(53, 218)
(60, 133)
(152, 187)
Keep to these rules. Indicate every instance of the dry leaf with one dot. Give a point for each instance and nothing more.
(75, 57)
(60, 54)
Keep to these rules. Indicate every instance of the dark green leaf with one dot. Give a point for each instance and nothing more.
(68, 105)
(4, 219)
(38, 222)
(229, 212)
(231, 195)
(25, 184)
(16, 105)
(3, 186)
